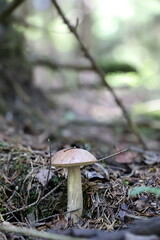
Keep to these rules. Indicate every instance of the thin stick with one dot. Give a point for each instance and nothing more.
(50, 155)
(101, 74)
(124, 68)
(48, 174)
(6, 227)
(36, 202)
(55, 215)
(114, 154)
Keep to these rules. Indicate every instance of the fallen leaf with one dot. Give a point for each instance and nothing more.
(122, 212)
(42, 176)
(97, 171)
(61, 222)
(126, 157)
(151, 157)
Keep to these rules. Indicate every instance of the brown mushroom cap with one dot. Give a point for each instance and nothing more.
(72, 157)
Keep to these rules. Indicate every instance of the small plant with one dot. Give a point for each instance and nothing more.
(137, 190)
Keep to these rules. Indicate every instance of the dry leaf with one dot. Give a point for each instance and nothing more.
(98, 172)
(61, 222)
(126, 157)
(42, 176)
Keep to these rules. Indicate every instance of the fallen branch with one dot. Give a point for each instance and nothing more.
(6, 227)
(110, 123)
(61, 90)
(9, 9)
(101, 74)
(150, 227)
(108, 68)
(147, 227)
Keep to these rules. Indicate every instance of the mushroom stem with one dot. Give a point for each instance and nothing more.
(75, 197)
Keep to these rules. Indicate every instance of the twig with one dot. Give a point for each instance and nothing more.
(48, 174)
(108, 68)
(114, 154)
(36, 202)
(11, 213)
(61, 90)
(56, 215)
(50, 155)
(101, 74)
(53, 190)
(9, 9)
(140, 228)
(107, 123)
(6, 227)
(138, 150)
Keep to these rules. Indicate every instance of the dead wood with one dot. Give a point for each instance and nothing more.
(141, 227)
(108, 68)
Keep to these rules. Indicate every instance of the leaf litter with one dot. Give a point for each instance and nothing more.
(34, 193)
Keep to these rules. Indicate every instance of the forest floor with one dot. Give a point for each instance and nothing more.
(33, 193)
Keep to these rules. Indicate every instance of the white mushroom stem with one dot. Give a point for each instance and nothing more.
(75, 197)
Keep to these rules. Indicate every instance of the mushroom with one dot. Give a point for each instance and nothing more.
(72, 159)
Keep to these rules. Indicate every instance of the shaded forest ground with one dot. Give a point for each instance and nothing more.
(26, 198)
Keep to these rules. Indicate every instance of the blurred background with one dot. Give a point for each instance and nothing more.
(46, 82)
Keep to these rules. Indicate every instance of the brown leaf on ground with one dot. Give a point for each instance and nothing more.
(126, 157)
(61, 223)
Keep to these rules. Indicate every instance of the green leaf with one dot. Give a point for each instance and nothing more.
(138, 190)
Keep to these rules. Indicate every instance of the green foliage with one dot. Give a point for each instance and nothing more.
(125, 182)
(123, 79)
(143, 189)
(118, 67)
(150, 108)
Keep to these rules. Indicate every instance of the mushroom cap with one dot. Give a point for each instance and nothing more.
(72, 157)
